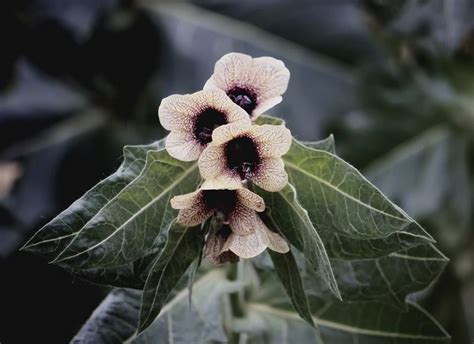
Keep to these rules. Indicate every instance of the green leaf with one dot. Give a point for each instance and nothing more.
(270, 315)
(339, 199)
(113, 321)
(289, 275)
(358, 322)
(389, 279)
(291, 220)
(131, 275)
(182, 248)
(326, 144)
(130, 225)
(58, 233)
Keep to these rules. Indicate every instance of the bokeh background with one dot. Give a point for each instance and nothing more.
(392, 80)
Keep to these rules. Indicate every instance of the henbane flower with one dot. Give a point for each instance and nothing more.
(254, 153)
(191, 118)
(255, 84)
(248, 235)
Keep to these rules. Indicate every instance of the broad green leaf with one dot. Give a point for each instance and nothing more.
(357, 322)
(134, 221)
(113, 321)
(202, 321)
(390, 279)
(290, 219)
(131, 275)
(58, 233)
(270, 315)
(182, 248)
(288, 273)
(339, 199)
(326, 144)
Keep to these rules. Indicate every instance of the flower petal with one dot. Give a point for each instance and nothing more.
(194, 215)
(183, 146)
(212, 165)
(228, 132)
(267, 77)
(246, 246)
(187, 200)
(273, 240)
(251, 200)
(242, 220)
(177, 111)
(230, 70)
(271, 175)
(271, 77)
(273, 140)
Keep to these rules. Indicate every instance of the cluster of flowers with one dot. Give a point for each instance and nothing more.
(216, 127)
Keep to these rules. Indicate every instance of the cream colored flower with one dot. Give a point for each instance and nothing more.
(247, 236)
(254, 153)
(238, 206)
(225, 245)
(255, 84)
(191, 118)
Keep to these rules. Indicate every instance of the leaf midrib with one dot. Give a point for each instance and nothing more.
(338, 326)
(322, 181)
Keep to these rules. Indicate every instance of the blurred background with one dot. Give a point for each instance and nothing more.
(392, 80)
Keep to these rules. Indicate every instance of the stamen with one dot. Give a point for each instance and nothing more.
(206, 122)
(244, 98)
(242, 156)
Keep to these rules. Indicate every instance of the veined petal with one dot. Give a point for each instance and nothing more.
(183, 146)
(271, 77)
(246, 246)
(273, 140)
(251, 200)
(266, 105)
(271, 175)
(186, 201)
(177, 111)
(194, 215)
(230, 131)
(212, 165)
(230, 70)
(273, 240)
(262, 80)
(242, 220)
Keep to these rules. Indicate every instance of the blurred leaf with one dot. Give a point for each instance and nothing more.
(114, 321)
(287, 270)
(182, 247)
(435, 175)
(334, 28)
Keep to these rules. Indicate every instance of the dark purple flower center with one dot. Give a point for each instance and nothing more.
(242, 156)
(206, 122)
(220, 200)
(244, 98)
